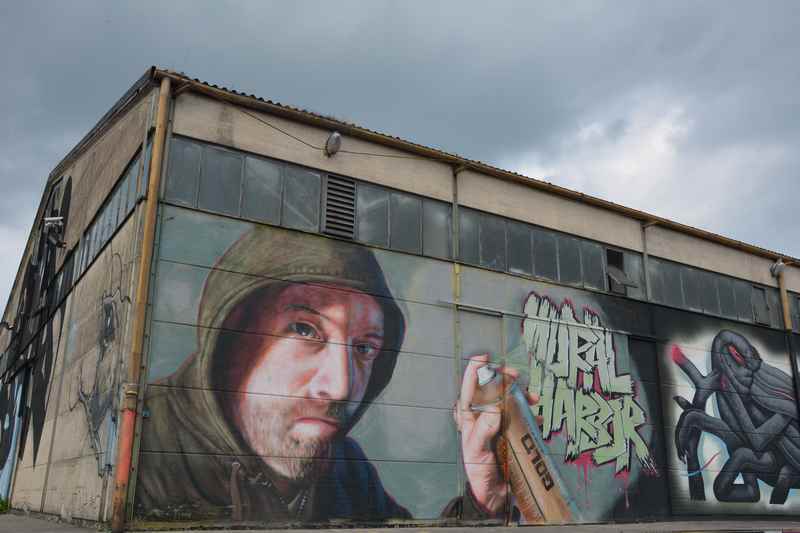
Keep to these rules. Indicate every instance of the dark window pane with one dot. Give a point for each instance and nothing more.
(100, 230)
(656, 275)
(492, 241)
(690, 278)
(634, 271)
(301, 198)
(221, 182)
(569, 260)
(520, 248)
(727, 297)
(672, 284)
(744, 305)
(774, 305)
(133, 177)
(373, 215)
(545, 258)
(708, 292)
(592, 261)
(261, 194)
(760, 311)
(94, 233)
(794, 305)
(106, 221)
(142, 187)
(436, 231)
(115, 218)
(468, 236)
(78, 261)
(405, 217)
(184, 172)
(123, 194)
(665, 282)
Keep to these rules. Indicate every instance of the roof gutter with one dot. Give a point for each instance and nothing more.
(188, 84)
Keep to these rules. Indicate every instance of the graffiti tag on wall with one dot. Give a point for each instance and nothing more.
(573, 369)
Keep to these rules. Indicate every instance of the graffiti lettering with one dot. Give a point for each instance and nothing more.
(536, 460)
(573, 369)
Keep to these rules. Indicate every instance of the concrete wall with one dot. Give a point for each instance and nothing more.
(230, 297)
(68, 450)
(221, 123)
(96, 171)
(77, 355)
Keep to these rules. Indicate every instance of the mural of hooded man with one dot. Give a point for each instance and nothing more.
(289, 356)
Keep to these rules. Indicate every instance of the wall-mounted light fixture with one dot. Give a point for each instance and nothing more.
(333, 143)
(776, 268)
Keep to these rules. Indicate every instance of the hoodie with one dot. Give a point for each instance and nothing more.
(194, 465)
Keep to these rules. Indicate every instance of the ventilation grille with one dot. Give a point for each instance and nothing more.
(340, 207)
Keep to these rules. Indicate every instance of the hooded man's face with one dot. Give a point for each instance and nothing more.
(304, 376)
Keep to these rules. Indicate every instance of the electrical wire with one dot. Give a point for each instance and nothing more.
(276, 128)
(322, 149)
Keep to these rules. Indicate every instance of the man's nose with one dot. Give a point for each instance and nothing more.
(332, 380)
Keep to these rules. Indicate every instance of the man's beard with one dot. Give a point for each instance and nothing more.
(267, 426)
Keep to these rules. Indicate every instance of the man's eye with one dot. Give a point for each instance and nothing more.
(366, 350)
(303, 329)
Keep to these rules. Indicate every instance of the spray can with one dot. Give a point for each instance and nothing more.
(533, 479)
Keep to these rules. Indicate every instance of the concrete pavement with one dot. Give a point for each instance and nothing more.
(14, 523)
(17, 523)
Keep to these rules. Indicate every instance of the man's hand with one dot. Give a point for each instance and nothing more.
(478, 430)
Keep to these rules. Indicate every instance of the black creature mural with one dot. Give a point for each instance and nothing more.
(756, 422)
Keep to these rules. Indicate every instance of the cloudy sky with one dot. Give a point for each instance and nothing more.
(688, 110)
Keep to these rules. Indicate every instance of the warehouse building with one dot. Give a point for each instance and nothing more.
(234, 312)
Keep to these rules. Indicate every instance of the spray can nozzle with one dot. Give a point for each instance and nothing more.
(486, 374)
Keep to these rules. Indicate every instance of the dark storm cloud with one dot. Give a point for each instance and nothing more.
(686, 109)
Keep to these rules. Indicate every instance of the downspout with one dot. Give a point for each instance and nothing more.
(779, 269)
(131, 388)
(646, 259)
(456, 291)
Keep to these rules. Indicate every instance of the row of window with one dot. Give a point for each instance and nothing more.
(204, 176)
(118, 204)
(503, 244)
(265, 190)
(708, 292)
(228, 182)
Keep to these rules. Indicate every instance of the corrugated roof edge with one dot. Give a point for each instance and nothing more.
(119, 107)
